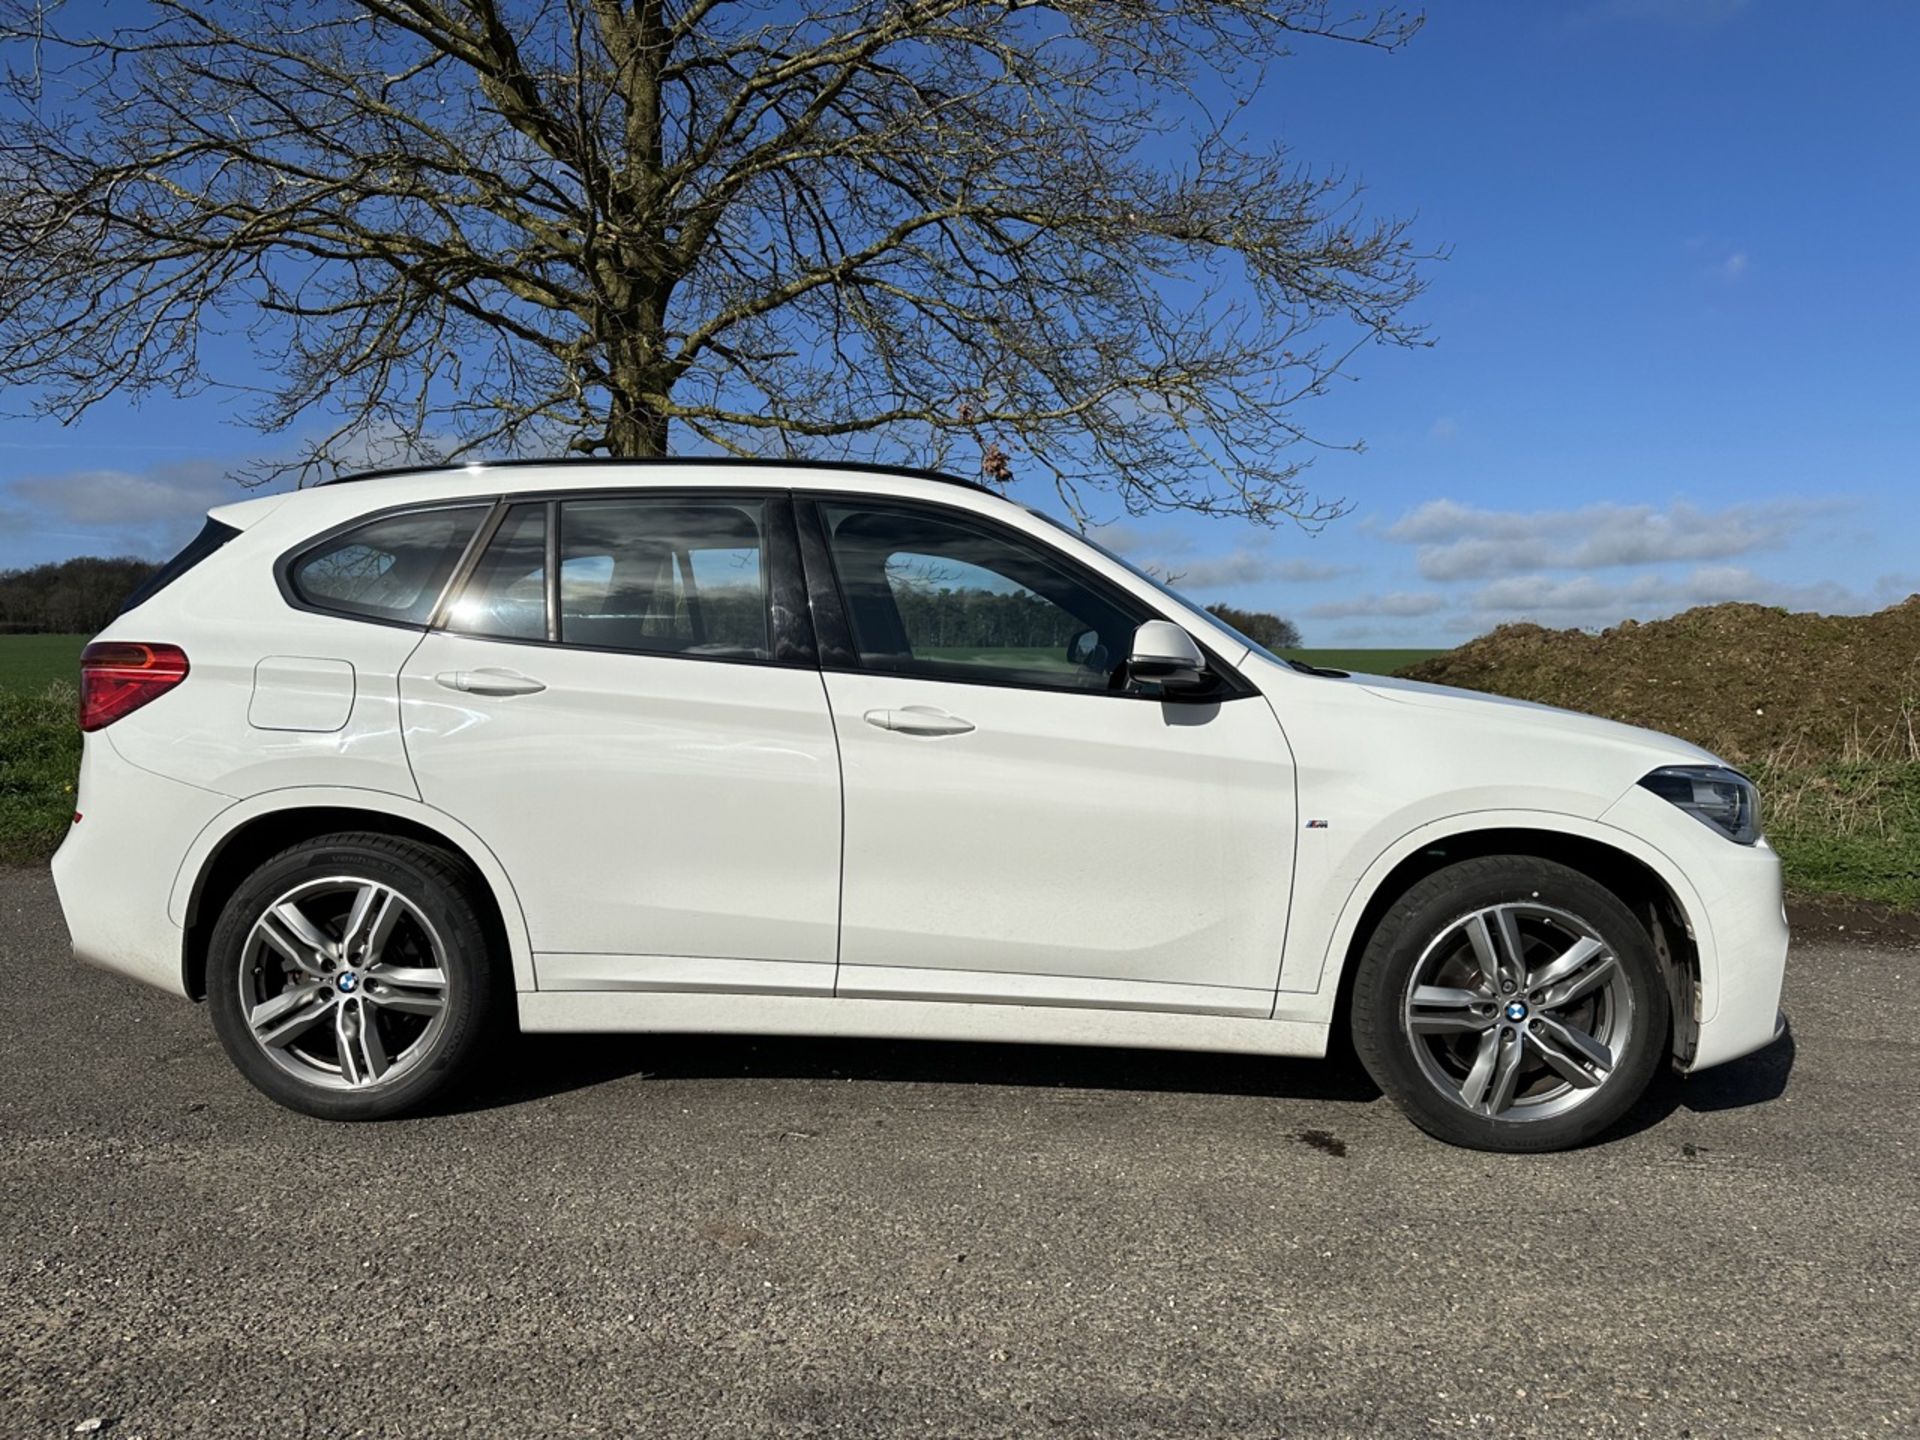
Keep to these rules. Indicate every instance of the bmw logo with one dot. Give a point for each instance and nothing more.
(1516, 1011)
(346, 980)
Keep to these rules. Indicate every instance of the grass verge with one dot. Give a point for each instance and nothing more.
(39, 761)
(1846, 828)
(30, 663)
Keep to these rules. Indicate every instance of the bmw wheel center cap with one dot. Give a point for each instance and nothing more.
(346, 981)
(1516, 1010)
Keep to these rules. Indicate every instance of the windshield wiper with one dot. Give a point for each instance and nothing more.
(1305, 669)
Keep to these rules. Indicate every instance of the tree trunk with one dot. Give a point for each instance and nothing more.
(635, 336)
(635, 427)
(635, 431)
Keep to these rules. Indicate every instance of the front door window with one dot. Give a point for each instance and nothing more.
(940, 597)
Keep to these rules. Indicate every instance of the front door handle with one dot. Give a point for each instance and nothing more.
(919, 720)
(489, 682)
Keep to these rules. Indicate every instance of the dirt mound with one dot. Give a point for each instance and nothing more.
(1746, 681)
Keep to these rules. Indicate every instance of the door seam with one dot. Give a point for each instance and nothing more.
(840, 877)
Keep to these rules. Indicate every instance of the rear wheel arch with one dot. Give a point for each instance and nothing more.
(1637, 884)
(241, 850)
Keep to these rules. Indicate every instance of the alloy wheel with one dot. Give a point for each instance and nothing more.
(1518, 1012)
(344, 983)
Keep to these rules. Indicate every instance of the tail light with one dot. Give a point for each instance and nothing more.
(117, 677)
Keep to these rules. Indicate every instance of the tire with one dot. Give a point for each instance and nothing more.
(1476, 1064)
(372, 1027)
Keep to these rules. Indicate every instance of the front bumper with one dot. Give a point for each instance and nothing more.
(1738, 915)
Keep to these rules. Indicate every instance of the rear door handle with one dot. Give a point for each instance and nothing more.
(489, 682)
(919, 720)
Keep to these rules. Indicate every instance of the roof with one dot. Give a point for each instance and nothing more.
(862, 467)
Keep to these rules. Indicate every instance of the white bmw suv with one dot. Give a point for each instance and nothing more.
(378, 767)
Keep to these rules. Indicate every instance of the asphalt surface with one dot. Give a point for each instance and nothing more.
(740, 1237)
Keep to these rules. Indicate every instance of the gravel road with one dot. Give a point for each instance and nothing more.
(746, 1237)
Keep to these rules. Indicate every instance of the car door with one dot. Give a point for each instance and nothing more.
(609, 703)
(1022, 824)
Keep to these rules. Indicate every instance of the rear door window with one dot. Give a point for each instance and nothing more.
(392, 568)
(506, 598)
(668, 575)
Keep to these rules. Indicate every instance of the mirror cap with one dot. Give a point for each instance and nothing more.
(1163, 651)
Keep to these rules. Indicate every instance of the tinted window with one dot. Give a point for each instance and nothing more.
(937, 595)
(388, 569)
(211, 537)
(1165, 589)
(506, 595)
(668, 575)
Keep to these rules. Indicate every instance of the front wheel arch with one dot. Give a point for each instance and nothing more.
(1637, 885)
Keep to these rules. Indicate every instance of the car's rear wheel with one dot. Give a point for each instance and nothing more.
(1511, 1003)
(352, 977)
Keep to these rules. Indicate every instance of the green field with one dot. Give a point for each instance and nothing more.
(30, 663)
(39, 742)
(1026, 657)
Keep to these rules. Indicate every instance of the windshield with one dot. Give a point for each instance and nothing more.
(1165, 589)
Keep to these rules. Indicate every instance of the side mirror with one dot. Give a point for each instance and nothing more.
(1166, 655)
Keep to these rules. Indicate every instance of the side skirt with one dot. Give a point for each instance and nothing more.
(662, 1012)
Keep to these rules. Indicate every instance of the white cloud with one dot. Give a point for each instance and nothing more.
(1731, 268)
(1726, 262)
(1587, 602)
(1397, 605)
(110, 511)
(1463, 542)
(1169, 553)
(1361, 634)
(125, 497)
(1244, 567)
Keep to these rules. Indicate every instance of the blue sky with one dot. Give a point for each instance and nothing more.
(1674, 342)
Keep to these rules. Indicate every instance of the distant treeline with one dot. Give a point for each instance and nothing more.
(994, 619)
(983, 619)
(69, 597)
(1260, 627)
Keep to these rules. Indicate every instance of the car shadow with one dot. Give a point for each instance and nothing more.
(534, 1067)
(1751, 1080)
(538, 1067)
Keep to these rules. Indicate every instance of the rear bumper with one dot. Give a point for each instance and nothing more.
(115, 870)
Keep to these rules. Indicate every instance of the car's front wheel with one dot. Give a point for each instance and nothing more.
(351, 976)
(1511, 1003)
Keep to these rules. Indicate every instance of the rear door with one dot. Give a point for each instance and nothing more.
(622, 700)
(1023, 825)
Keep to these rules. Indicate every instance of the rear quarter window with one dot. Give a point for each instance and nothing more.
(392, 568)
(211, 537)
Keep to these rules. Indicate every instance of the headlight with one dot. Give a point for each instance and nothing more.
(1722, 798)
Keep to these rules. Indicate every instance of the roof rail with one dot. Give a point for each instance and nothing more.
(864, 467)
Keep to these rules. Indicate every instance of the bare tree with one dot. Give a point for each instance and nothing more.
(1025, 233)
